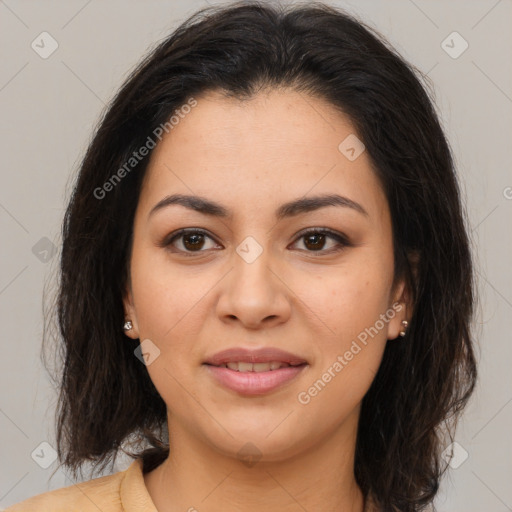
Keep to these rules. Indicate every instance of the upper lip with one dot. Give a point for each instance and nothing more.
(260, 355)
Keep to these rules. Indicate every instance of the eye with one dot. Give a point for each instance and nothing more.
(194, 240)
(189, 241)
(315, 240)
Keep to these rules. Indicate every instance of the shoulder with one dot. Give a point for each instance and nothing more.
(103, 493)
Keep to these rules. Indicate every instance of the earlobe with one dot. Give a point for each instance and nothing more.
(399, 323)
(403, 332)
(402, 295)
(130, 327)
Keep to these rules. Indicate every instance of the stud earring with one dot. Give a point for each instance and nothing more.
(127, 325)
(403, 332)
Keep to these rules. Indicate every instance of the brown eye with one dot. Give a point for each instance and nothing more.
(189, 241)
(315, 240)
(193, 241)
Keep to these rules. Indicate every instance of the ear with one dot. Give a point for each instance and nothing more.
(129, 313)
(402, 302)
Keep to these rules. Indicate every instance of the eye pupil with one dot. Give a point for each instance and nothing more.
(197, 241)
(317, 240)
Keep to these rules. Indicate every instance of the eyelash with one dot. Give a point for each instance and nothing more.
(338, 237)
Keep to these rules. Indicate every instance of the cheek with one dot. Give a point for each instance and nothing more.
(171, 305)
(351, 338)
(351, 298)
(163, 295)
(350, 350)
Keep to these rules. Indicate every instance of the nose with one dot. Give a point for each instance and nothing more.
(254, 294)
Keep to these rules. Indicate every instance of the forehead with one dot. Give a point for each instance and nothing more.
(278, 144)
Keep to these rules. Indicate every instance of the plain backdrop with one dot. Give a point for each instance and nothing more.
(49, 107)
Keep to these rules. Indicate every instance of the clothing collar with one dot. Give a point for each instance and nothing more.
(133, 492)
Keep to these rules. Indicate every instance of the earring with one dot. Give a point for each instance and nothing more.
(127, 325)
(405, 324)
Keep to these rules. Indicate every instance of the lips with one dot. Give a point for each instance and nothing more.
(254, 372)
(255, 356)
(255, 367)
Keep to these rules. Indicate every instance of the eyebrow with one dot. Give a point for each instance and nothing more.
(290, 209)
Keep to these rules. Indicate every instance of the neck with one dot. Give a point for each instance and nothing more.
(197, 477)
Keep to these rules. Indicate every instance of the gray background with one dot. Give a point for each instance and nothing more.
(49, 109)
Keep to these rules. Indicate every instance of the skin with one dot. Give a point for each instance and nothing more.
(251, 157)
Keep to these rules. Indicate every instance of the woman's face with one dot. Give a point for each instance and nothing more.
(251, 279)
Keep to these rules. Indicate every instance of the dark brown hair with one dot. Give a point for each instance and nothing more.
(106, 396)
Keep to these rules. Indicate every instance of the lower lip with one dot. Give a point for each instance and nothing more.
(254, 383)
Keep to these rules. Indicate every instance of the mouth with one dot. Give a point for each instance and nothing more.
(254, 372)
(241, 366)
(267, 355)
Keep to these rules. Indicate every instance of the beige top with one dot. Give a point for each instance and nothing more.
(124, 491)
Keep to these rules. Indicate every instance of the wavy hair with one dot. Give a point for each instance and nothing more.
(107, 399)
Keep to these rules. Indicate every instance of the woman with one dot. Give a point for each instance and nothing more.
(266, 284)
